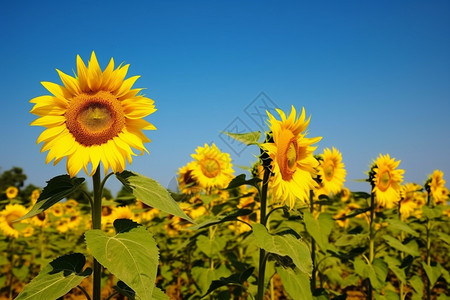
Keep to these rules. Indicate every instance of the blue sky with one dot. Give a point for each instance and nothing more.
(374, 76)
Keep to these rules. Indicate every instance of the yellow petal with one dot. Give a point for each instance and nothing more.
(82, 75)
(70, 83)
(50, 133)
(94, 73)
(49, 121)
(126, 86)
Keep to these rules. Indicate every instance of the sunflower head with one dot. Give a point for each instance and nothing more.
(386, 180)
(291, 153)
(211, 168)
(331, 171)
(8, 215)
(186, 181)
(94, 117)
(435, 185)
(12, 192)
(409, 192)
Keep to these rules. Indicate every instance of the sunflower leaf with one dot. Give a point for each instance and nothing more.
(240, 180)
(57, 188)
(57, 278)
(132, 256)
(248, 138)
(286, 245)
(233, 216)
(319, 229)
(151, 193)
(296, 283)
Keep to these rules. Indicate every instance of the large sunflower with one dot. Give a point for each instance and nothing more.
(95, 116)
(211, 167)
(436, 185)
(386, 181)
(293, 163)
(331, 171)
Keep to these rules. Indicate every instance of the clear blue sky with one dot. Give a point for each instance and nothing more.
(374, 75)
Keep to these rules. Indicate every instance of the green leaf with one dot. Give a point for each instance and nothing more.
(132, 256)
(432, 213)
(394, 265)
(211, 247)
(444, 237)
(296, 283)
(234, 279)
(249, 138)
(417, 283)
(376, 272)
(410, 248)
(319, 229)
(159, 294)
(433, 272)
(57, 278)
(57, 189)
(221, 219)
(21, 272)
(353, 240)
(240, 180)
(151, 193)
(125, 290)
(401, 226)
(284, 245)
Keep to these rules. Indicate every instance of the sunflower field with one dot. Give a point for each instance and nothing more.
(287, 228)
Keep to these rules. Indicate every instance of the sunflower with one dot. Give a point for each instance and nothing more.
(35, 196)
(409, 193)
(7, 217)
(293, 163)
(12, 192)
(331, 171)
(123, 212)
(95, 116)
(386, 179)
(57, 209)
(211, 168)
(436, 185)
(186, 182)
(40, 220)
(345, 194)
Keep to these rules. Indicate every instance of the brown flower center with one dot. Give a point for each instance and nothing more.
(328, 172)
(94, 119)
(210, 167)
(287, 154)
(385, 181)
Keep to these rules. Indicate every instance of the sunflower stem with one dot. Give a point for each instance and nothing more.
(313, 247)
(428, 256)
(263, 220)
(371, 239)
(97, 224)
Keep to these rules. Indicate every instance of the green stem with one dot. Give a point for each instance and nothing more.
(313, 246)
(263, 219)
(371, 240)
(97, 224)
(429, 204)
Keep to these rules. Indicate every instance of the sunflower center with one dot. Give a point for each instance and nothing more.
(385, 181)
(328, 172)
(210, 167)
(94, 119)
(287, 155)
(188, 179)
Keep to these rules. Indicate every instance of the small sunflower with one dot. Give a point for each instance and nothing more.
(57, 209)
(7, 217)
(409, 193)
(331, 171)
(345, 194)
(386, 181)
(211, 168)
(293, 163)
(186, 181)
(123, 212)
(436, 185)
(35, 196)
(40, 220)
(12, 192)
(95, 116)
